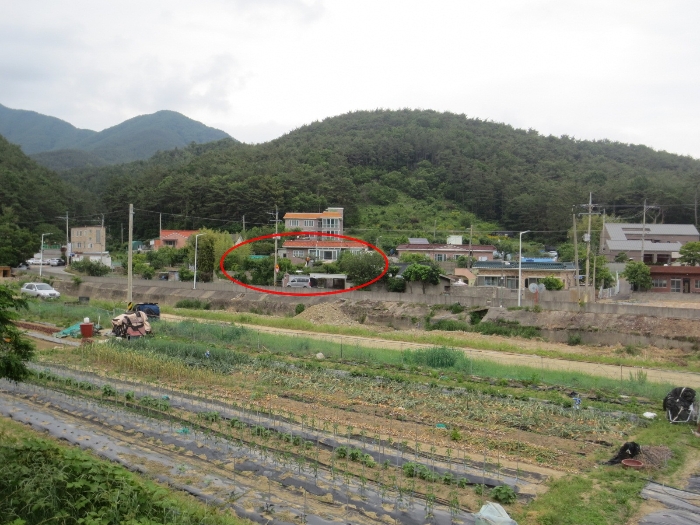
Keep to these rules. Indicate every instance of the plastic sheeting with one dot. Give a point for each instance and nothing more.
(493, 514)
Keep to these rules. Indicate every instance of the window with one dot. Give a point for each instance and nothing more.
(439, 257)
(330, 226)
(293, 222)
(697, 283)
(89, 245)
(659, 283)
(512, 283)
(298, 253)
(484, 280)
(170, 243)
(80, 245)
(99, 236)
(676, 285)
(309, 223)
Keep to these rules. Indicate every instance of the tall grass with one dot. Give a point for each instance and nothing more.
(190, 341)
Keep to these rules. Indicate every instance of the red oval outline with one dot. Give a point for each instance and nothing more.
(297, 234)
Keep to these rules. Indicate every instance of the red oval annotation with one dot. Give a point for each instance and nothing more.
(297, 234)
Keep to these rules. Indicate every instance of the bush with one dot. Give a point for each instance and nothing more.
(504, 494)
(396, 284)
(300, 308)
(553, 283)
(148, 272)
(574, 339)
(92, 268)
(185, 274)
(455, 435)
(193, 304)
(77, 280)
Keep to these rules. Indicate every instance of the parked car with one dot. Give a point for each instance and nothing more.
(43, 290)
(299, 281)
(37, 261)
(57, 262)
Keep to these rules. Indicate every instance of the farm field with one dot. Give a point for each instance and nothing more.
(257, 422)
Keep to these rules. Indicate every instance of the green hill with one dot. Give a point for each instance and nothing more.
(401, 173)
(35, 132)
(58, 145)
(33, 198)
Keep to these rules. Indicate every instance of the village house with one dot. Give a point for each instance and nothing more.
(173, 238)
(505, 273)
(89, 243)
(675, 279)
(306, 251)
(450, 251)
(661, 243)
(328, 221)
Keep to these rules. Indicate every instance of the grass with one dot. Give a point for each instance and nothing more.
(610, 495)
(43, 481)
(446, 359)
(462, 341)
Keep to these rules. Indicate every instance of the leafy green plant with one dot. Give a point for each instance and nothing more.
(504, 494)
(77, 281)
(574, 340)
(91, 268)
(299, 308)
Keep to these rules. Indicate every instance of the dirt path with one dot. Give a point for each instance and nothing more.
(506, 358)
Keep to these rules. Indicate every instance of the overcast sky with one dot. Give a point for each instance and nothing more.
(622, 70)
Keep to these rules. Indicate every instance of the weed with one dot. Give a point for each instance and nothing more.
(299, 308)
(193, 304)
(574, 340)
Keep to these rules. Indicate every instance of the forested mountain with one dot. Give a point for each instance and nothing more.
(35, 132)
(404, 171)
(59, 145)
(32, 199)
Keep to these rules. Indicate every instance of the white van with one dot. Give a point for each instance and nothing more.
(299, 281)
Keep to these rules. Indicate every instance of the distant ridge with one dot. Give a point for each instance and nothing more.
(59, 145)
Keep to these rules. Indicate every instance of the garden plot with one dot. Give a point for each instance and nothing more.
(253, 481)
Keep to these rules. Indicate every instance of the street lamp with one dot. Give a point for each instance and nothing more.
(520, 266)
(41, 267)
(196, 239)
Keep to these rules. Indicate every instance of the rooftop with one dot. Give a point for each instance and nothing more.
(305, 243)
(675, 270)
(618, 231)
(505, 265)
(180, 233)
(321, 215)
(446, 247)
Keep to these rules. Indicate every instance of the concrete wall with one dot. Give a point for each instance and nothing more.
(169, 292)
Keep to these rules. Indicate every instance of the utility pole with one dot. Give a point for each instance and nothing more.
(67, 238)
(644, 229)
(588, 241)
(160, 226)
(275, 269)
(244, 227)
(130, 258)
(471, 234)
(578, 288)
(122, 225)
(103, 220)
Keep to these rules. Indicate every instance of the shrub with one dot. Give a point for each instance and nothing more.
(108, 391)
(574, 339)
(92, 268)
(77, 280)
(193, 304)
(186, 274)
(300, 308)
(455, 435)
(553, 283)
(504, 494)
(148, 272)
(396, 284)
(341, 452)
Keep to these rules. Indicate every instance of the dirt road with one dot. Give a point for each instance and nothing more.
(622, 372)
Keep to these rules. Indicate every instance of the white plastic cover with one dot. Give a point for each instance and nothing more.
(493, 514)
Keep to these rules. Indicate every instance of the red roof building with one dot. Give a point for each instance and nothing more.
(173, 238)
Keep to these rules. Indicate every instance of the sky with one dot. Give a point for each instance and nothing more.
(626, 70)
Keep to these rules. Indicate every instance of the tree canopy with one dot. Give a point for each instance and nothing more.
(638, 275)
(690, 253)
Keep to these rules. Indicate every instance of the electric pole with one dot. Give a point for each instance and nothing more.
(578, 288)
(471, 234)
(274, 270)
(130, 276)
(588, 241)
(244, 227)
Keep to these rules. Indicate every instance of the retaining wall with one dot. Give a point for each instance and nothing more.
(169, 292)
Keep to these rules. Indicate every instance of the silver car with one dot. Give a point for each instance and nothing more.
(43, 290)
